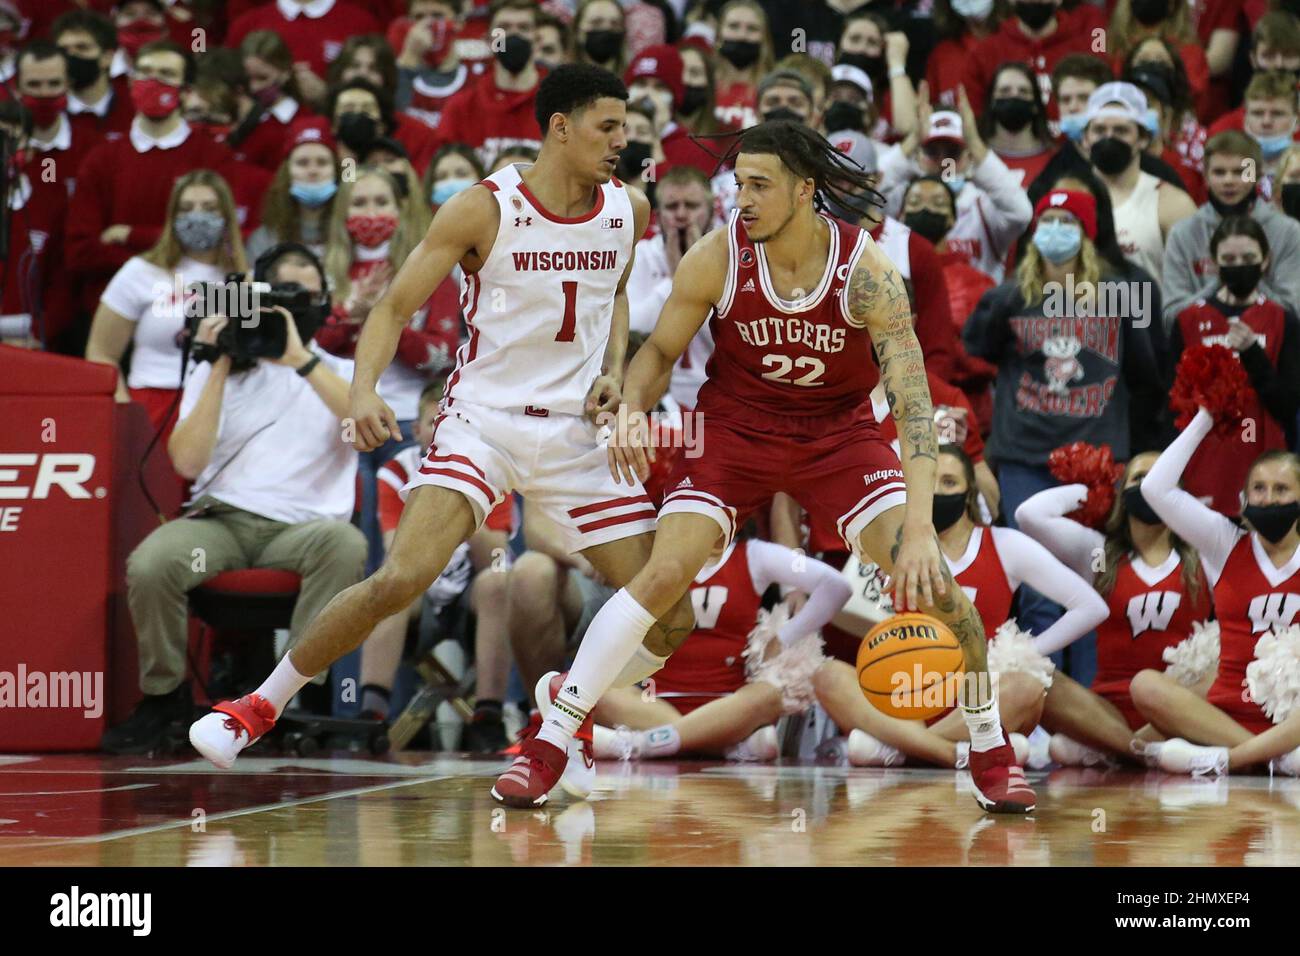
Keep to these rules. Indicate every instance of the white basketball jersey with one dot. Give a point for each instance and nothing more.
(539, 310)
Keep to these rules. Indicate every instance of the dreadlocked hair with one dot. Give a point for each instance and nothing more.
(806, 153)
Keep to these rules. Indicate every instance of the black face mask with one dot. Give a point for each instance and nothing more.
(948, 510)
(515, 54)
(1136, 506)
(1034, 15)
(1291, 199)
(1239, 208)
(742, 54)
(1273, 522)
(693, 99)
(82, 71)
(841, 116)
(603, 45)
(782, 113)
(357, 131)
(1111, 155)
(873, 66)
(634, 160)
(933, 225)
(1150, 12)
(851, 208)
(1241, 281)
(1013, 113)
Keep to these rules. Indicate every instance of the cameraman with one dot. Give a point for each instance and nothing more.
(274, 482)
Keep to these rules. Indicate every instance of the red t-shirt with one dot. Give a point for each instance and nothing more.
(316, 41)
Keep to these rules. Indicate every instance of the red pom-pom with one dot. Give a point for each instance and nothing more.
(1213, 377)
(1094, 466)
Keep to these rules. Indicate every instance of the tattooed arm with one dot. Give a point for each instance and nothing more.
(878, 301)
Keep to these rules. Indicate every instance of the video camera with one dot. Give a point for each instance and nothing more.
(255, 329)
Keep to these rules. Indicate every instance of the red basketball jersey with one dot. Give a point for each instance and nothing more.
(1149, 611)
(777, 364)
(726, 609)
(979, 573)
(1251, 597)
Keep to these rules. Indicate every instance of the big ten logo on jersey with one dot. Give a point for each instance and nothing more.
(1152, 611)
(1270, 611)
(708, 603)
(611, 222)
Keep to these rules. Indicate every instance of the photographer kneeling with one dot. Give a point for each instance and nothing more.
(261, 435)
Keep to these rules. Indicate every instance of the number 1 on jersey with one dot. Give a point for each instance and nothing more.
(570, 323)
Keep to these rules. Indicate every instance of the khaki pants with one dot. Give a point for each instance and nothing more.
(182, 554)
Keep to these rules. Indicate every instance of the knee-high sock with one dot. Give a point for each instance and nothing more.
(612, 638)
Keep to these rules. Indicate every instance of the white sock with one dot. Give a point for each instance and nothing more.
(963, 755)
(282, 685)
(642, 665)
(662, 741)
(615, 633)
(984, 724)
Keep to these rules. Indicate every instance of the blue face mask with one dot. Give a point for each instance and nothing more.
(313, 194)
(1058, 241)
(1273, 146)
(957, 184)
(448, 188)
(1072, 126)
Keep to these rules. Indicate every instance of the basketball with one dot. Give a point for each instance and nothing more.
(909, 666)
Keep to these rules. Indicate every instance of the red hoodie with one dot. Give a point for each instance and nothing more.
(1073, 34)
(489, 119)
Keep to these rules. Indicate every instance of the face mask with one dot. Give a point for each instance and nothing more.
(1242, 280)
(1136, 506)
(448, 188)
(972, 9)
(948, 510)
(131, 36)
(693, 99)
(1273, 522)
(44, 109)
(851, 210)
(1111, 155)
(200, 231)
(603, 45)
(1034, 15)
(842, 115)
(1012, 113)
(634, 160)
(371, 231)
(1239, 208)
(933, 225)
(313, 195)
(1058, 241)
(1273, 146)
(1150, 12)
(782, 113)
(154, 98)
(1291, 199)
(82, 71)
(357, 131)
(957, 184)
(742, 54)
(873, 66)
(1072, 126)
(516, 53)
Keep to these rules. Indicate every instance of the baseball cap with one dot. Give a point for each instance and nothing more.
(309, 129)
(660, 62)
(848, 73)
(1117, 100)
(944, 125)
(785, 78)
(857, 147)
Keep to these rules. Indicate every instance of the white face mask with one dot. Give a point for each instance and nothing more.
(973, 9)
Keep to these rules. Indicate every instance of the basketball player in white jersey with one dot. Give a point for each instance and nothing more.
(546, 251)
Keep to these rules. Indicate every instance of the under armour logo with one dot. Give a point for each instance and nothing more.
(523, 220)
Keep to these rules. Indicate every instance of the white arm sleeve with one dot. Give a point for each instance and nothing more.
(1028, 562)
(827, 591)
(1210, 533)
(1043, 518)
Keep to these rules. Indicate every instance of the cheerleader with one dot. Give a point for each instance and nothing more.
(989, 564)
(1154, 590)
(1255, 573)
(701, 701)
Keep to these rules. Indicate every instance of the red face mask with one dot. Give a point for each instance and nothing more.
(137, 33)
(154, 98)
(44, 109)
(371, 231)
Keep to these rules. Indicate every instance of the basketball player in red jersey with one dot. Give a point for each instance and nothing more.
(546, 250)
(988, 564)
(1155, 590)
(797, 301)
(1255, 573)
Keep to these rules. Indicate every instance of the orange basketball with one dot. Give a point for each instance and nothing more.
(909, 666)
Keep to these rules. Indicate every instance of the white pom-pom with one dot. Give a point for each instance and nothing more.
(791, 668)
(1196, 657)
(1011, 649)
(1274, 675)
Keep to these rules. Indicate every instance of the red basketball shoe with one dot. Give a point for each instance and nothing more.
(580, 773)
(999, 782)
(532, 776)
(232, 726)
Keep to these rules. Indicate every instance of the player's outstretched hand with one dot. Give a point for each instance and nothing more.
(375, 421)
(631, 449)
(918, 572)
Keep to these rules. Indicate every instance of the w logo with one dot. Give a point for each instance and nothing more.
(1269, 611)
(708, 603)
(1152, 611)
